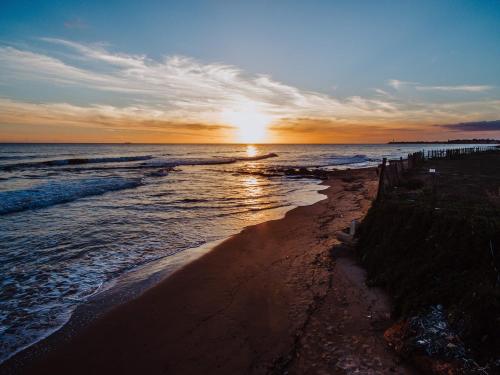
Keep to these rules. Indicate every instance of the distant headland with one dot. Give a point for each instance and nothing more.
(450, 141)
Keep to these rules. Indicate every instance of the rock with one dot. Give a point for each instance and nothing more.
(345, 238)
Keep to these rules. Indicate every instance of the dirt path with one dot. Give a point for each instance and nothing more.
(345, 334)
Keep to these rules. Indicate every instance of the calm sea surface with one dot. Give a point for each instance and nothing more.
(74, 218)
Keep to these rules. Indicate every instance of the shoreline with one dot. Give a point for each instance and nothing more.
(110, 295)
(125, 288)
(47, 355)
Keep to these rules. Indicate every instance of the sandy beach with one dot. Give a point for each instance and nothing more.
(249, 187)
(271, 299)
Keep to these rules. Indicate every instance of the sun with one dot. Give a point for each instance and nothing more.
(251, 124)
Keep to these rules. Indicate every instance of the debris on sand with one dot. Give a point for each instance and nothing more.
(431, 344)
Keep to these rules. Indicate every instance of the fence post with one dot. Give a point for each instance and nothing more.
(381, 180)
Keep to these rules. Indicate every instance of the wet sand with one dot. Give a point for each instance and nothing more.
(270, 299)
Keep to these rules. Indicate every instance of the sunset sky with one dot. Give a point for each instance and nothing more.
(249, 71)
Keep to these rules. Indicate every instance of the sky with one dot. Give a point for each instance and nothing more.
(249, 71)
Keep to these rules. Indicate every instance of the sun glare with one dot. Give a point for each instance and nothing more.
(251, 124)
(251, 151)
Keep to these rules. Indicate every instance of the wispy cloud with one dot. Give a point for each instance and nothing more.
(30, 66)
(137, 118)
(178, 93)
(398, 85)
(382, 92)
(474, 126)
(182, 86)
(463, 88)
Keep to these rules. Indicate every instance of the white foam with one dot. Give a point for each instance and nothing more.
(78, 161)
(344, 159)
(165, 163)
(56, 192)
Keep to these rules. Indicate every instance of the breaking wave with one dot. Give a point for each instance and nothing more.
(343, 159)
(56, 192)
(77, 161)
(170, 163)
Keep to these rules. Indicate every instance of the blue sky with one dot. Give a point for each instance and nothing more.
(392, 56)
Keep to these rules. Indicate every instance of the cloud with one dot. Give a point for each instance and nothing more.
(313, 130)
(398, 85)
(100, 116)
(474, 126)
(382, 92)
(30, 66)
(463, 88)
(179, 85)
(97, 51)
(181, 94)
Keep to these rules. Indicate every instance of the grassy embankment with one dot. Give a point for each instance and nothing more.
(436, 241)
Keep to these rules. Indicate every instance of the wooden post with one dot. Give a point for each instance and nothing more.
(352, 228)
(396, 172)
(381, 180)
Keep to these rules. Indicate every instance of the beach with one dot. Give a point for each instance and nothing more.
(107, 222)
(251, 305)
(249, 187)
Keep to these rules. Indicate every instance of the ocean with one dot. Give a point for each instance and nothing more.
(75, 218)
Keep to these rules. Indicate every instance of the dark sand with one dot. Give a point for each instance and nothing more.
(268, 300)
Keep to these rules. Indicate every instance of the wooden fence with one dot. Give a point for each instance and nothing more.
(391, 171)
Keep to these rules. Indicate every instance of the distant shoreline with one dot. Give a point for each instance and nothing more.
(454, 142)
(449, 142)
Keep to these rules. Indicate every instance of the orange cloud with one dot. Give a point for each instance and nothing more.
(179, 99)
(310, 130)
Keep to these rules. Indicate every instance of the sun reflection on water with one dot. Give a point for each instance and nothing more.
(257, 202)
(252, 188)
(255, 190)
(251, 151)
